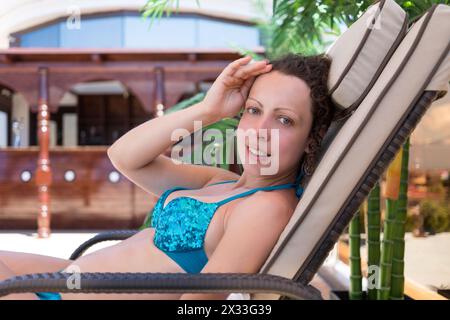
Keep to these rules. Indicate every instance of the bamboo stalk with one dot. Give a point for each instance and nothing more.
(355, 292)
(373, 240)
(392, 191)
(386, 251)
(397, 278)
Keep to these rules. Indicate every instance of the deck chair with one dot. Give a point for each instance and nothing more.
(385, 74)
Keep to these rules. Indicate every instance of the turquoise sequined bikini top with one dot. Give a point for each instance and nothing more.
(181, 225)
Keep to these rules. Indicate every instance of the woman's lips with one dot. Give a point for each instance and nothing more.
(257, 152)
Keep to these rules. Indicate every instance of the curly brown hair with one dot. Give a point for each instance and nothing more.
(314, 71)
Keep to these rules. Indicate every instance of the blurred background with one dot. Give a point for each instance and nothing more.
(106, 70)
(75, 75)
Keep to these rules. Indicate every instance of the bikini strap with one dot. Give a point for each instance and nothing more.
(167, 192)
(170, 190)
(220, 182)
(299, 189)
(176, 188)
(251, 191)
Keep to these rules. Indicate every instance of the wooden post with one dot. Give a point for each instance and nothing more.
(160, 97)
(160, 92)
(43, 172)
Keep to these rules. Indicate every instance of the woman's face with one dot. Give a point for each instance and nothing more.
(273, 131)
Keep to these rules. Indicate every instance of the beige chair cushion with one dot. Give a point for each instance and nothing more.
(421, 62)
(362, 51)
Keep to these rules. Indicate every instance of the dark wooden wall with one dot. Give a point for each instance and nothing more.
(5, 106)
(101, 119)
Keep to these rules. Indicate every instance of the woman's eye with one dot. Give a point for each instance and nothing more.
(252, 110)
(285, 121)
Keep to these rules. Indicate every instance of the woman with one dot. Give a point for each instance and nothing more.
(208, 219)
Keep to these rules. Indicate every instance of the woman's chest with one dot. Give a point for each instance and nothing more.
(186, 223)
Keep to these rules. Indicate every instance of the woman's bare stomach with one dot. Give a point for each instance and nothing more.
(135, 254)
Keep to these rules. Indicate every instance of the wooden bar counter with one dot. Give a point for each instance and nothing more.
(87, 192)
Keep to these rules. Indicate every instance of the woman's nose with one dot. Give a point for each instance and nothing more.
(263, 128)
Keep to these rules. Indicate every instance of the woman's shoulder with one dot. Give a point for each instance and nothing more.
(269, 206)
(283, 200)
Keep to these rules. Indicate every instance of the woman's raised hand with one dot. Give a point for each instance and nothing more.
(141, 161)
(229, 91)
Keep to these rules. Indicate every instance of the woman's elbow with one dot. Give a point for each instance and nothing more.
(115, 158)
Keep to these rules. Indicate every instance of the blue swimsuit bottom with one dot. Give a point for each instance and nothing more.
(49, 295)
(180, 228)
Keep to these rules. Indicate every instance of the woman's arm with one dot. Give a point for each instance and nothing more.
(138, 153)
(252, 229)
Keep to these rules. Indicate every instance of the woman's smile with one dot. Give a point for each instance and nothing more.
(261, 156)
